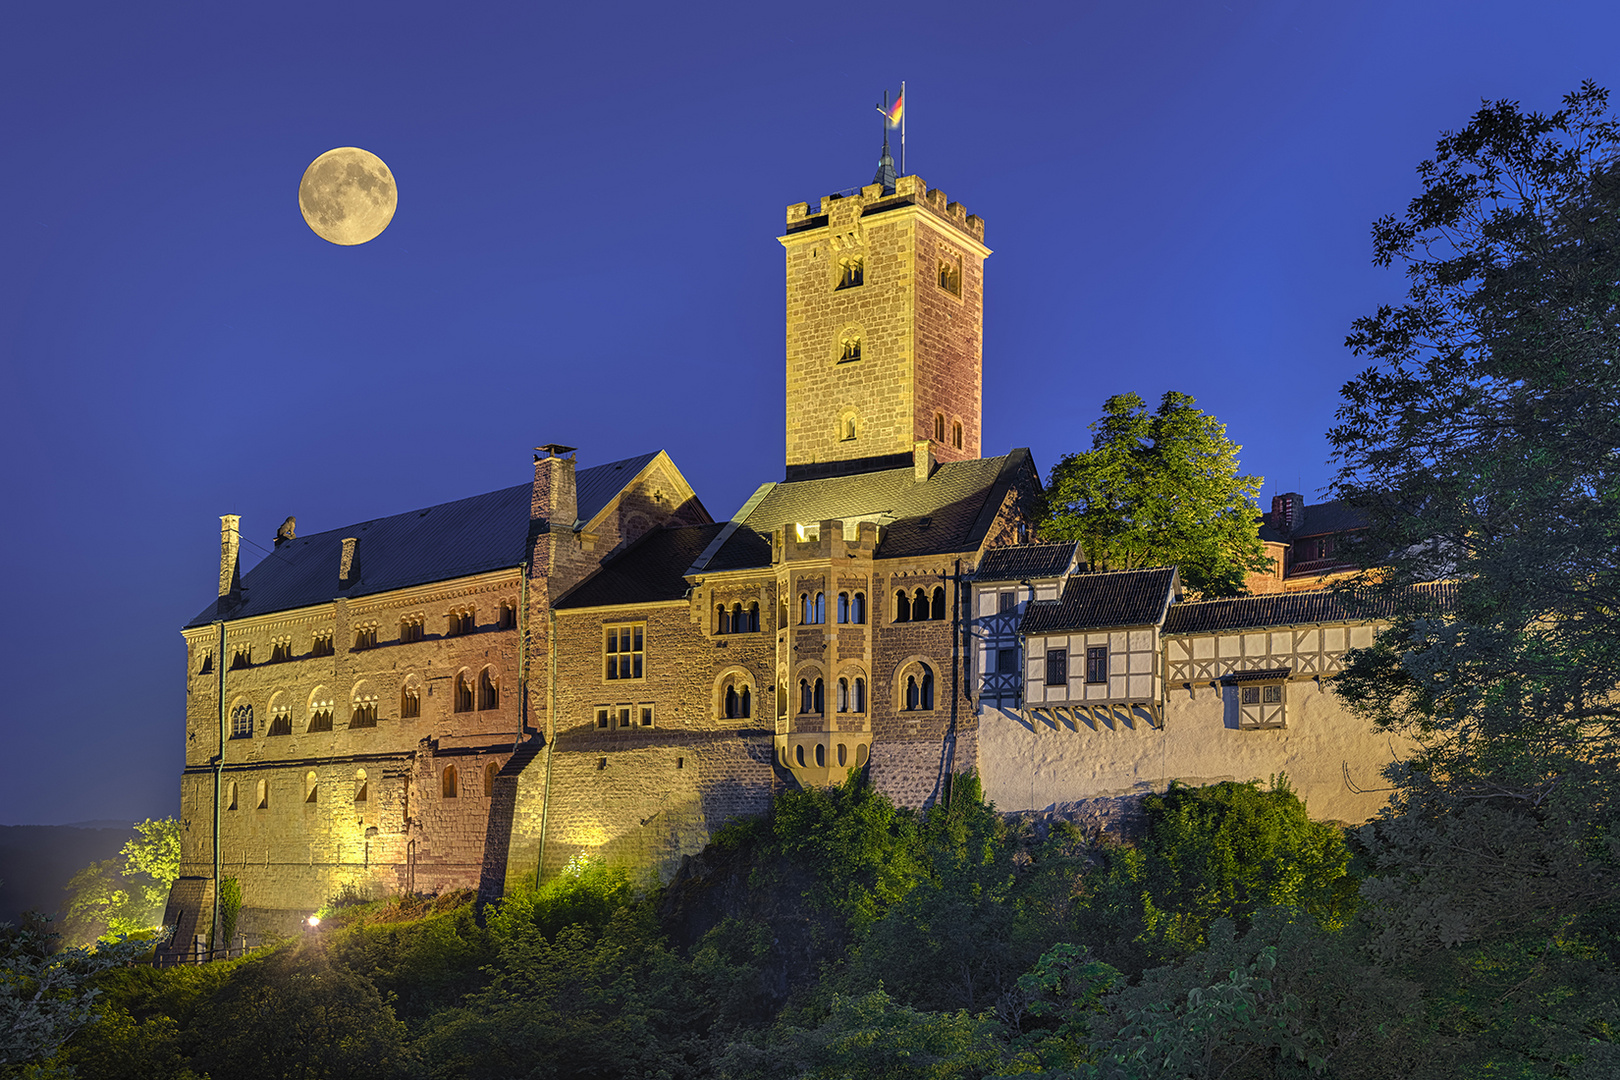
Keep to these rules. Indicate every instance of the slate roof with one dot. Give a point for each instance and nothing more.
(1317, 519)
(1291, 609)
(951, 512)
(650, 570)
(1023, 562)
(1103, 601)
(436, 543)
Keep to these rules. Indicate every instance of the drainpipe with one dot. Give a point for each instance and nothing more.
(523, 653)
(551, 722)
(219, 781)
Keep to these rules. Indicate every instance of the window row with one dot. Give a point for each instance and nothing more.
(920, 606)
(470, 694)
(1057, 665)
(819, 755)
(851, 274)
(736, 619)
(851, 608)
(851, 696)
(322, 643)
(622, 717)
(450, 787)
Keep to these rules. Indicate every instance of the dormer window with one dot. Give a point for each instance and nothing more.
(851, 271)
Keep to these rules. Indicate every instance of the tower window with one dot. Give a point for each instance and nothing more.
(956, 434)
(939, 428)
(851, 271)
(857, 608)
(843, 607)
(242, 722)
(849, 349)
(950, 277)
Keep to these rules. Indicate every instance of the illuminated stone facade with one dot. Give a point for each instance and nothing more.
(470, 695)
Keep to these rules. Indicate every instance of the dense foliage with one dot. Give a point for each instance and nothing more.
(1159, 488)
(125, 895)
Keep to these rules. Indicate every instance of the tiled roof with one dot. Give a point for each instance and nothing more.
(650, 570)
(1022, 562)
(1316, 519)
(437, 543)
(1293, 609)
(950, 512)
(1101, 601)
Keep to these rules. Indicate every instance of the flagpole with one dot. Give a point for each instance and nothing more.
(904, 109)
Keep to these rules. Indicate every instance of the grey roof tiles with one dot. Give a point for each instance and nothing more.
(1104, 601)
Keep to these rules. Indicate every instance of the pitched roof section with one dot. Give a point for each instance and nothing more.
(1025, 561)
(437, 543)
(951, 511)
(1294, 609)
(1104, 601)
(648, 571)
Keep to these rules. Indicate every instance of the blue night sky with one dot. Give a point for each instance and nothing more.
(1178, 196)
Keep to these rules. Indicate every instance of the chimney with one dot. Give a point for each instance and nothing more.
(922, 459)
(349, 565)
(555, 501)
(230, 547)
(1286, 512)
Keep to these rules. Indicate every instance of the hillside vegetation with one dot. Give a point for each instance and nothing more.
(841, 936)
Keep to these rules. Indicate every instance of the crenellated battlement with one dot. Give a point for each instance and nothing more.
(823, 540)
(842, 211)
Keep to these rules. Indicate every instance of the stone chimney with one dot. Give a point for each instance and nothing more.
(555, 501)
(349, 564)
(230, 549)
(1287, 512)
(922, 459)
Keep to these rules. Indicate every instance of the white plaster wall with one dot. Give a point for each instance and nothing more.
(1327, 752)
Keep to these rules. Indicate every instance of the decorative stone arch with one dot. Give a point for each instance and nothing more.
(461, 691)
(241, 717)
(916, 684)
(363, 704)
(851, 690)
(319, 707)
(847, 347)
(808, 676)
(279, 714)
(410, 696)
(489, 688)
(849, 426)
(736, 694)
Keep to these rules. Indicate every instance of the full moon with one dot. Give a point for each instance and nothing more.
(347, 196)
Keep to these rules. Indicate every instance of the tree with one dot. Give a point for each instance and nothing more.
(1157, 489)
(106, 899)
(47, 995)
(1484, 445)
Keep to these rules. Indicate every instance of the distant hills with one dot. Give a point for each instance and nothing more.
(37, 861)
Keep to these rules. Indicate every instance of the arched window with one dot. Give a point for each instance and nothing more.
(753, 617)
(857, 609)
(242, 721)
(843, 695)
(262, 799)
(820, 702)
(410, 700)
(927, 688)
(747, 704)
(798, 753)
(804, 609)
(956, 434)
(232, 804)
(490, 772)
(489, 694)
(939, 428)
(739, 619)
(361, 792)
(860, 755)
(851, 271)
(847, 429)
(919, 606)
(448, 786)
(912, 697)
(464, 694)
(902, 607)
(722, 620)
(362, 707)
(843, 607)
(843, 755)
(804, 695)
(860, 694)
(311, 786)
(821, 756)
(821, 608)
(938, 606)
(733, 703)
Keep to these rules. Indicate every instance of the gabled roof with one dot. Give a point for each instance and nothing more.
(650, 570)
(436, 543)
(952, 511)
(1316, 519)
(1295, 609)
(1023, 562)
(1105, 601)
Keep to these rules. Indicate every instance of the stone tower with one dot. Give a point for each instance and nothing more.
(885, 323)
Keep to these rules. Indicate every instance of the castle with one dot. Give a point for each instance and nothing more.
(471, 694)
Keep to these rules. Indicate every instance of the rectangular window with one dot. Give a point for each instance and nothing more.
(602, 718)
(1057, 667)
(1262, 703)
(1009, 601)
(1250, 695)
(624, 716)
(1006, 661)
(623, 651)
(1271, 695)
(646, 714)
(1097, 664)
